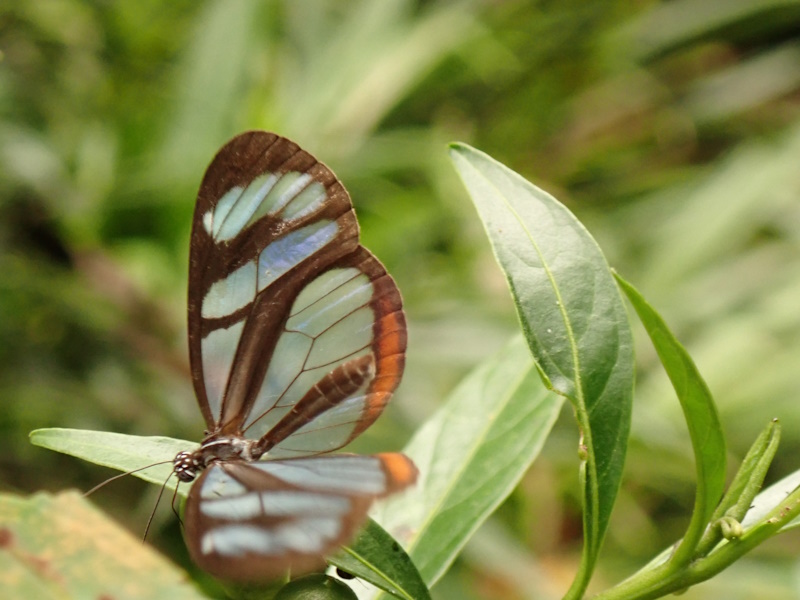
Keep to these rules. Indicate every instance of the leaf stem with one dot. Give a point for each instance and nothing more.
(669, 577)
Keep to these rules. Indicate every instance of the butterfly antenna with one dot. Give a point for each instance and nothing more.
(153, 512)
(115, 477)
(175, 495)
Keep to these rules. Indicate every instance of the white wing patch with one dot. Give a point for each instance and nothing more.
(285, 191)
(244, 207)
(346, 474)
(275, 503)
(228, 295)
(306, 202)
(289, 196)
(307, 536)
(214, 218)
(218, 349)
(290, 250)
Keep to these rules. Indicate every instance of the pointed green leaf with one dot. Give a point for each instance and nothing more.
(573, 318)
(738, 498)
(701, 416)
(118, 451)
(470, 455)
(750, 476)
(62, 547)
(376, 557)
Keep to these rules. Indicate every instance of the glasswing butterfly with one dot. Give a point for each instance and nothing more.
(297, 340)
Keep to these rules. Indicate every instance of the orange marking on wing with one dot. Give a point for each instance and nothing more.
(391, 343)
(376, 402)
(388, 377)
(390, 369)
(400, 470)
(391, 323)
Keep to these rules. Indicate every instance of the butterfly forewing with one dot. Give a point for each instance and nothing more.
(256, 520)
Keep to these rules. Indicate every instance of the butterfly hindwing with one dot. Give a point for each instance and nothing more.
(281, 294)
(256, 520)
(353, 315)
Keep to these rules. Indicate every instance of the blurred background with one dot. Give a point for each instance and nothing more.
(672, 129)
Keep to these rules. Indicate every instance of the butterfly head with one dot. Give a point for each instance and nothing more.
(186, 465)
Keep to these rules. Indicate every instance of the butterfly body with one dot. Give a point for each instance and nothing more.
(188, 465)
(297, 341)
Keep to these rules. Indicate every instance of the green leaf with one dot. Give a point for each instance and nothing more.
(701, 417)
(750, 476)
(62, 547)
(573, 318)
(738, 499)
(470, 455)
(376, 557)
(118, 451)
(774, 510)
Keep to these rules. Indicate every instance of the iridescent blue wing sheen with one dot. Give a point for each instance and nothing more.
(255, 520)
(282, 297)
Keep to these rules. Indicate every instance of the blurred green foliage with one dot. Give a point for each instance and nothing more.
(671, 129)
